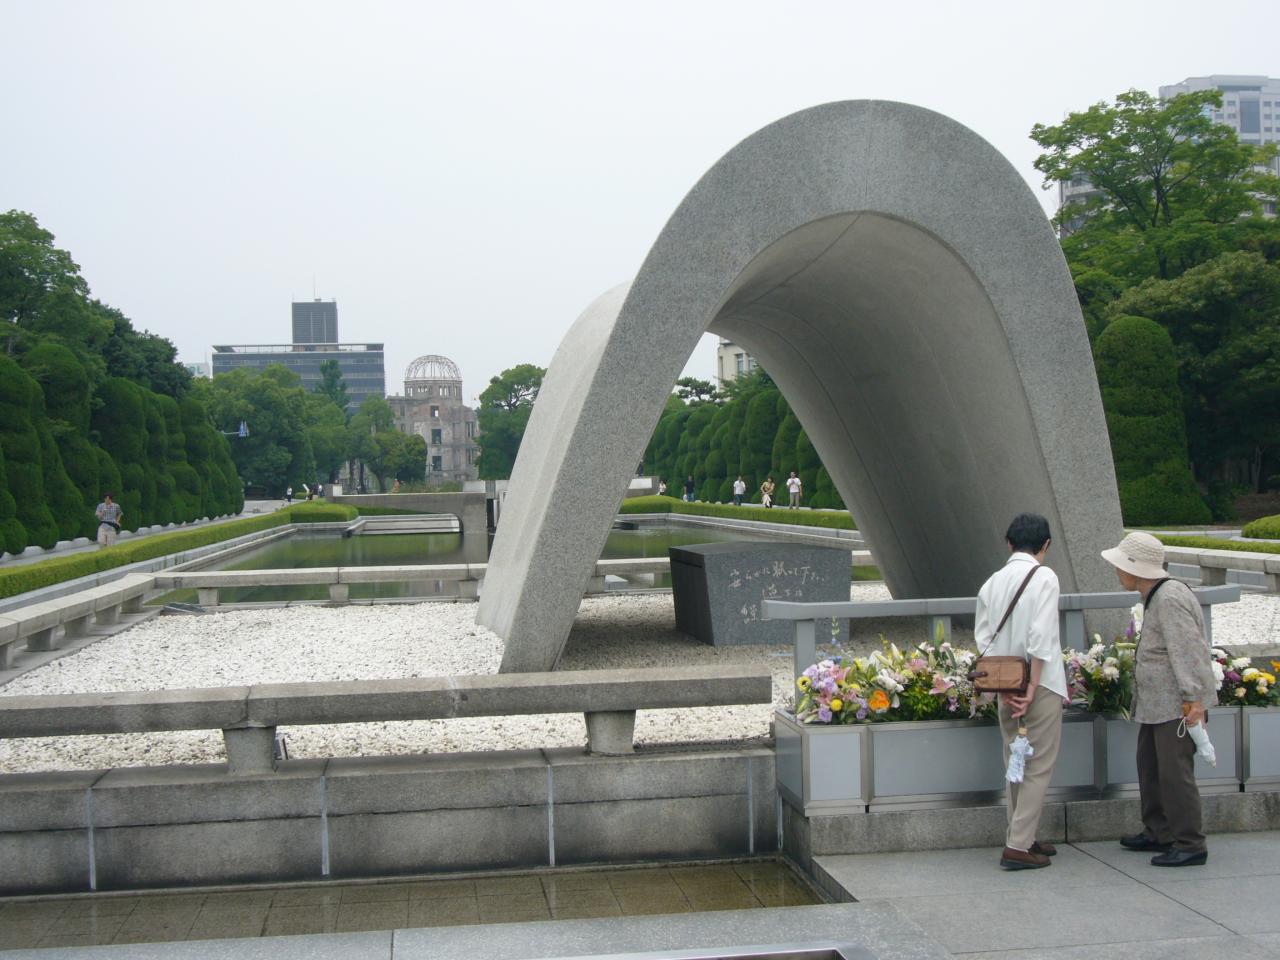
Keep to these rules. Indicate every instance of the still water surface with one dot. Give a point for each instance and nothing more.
(403, 549)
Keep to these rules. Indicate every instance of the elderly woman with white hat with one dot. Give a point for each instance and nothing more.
(1173, 682)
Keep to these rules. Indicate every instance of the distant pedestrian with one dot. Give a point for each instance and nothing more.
(108, 514)
(689, 488)
(739, 490)
(1172, 685)
(319, 489)
(288, 494)
(766, 492)
(662, 487)
(793, 488)
(395, 487)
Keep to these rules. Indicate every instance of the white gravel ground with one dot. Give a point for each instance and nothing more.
(429, 639)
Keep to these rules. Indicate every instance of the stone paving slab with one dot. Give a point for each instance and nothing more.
(1230, 855)
(879, 928)
(1227, 946)
(890, 876)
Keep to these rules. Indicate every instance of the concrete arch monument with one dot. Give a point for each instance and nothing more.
(900, 282)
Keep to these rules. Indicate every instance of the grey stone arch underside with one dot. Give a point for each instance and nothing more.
(900, 282)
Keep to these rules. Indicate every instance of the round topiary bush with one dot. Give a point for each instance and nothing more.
(20, 403)
(1138, 377)
(1264, 528)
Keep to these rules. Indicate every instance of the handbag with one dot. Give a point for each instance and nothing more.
(1003, 674)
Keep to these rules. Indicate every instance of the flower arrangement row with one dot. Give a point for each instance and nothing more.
(930, 682)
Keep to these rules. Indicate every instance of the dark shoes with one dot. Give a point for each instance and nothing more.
(1012, 859)
(1180, 858)
(1044, 849)
(1142, 842)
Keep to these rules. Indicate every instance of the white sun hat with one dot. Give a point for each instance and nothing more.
(1140, 554)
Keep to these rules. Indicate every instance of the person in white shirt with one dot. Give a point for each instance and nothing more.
(739, 490)
(1031, 632)
(793, 488)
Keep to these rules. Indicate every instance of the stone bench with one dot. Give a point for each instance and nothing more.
(1214, 564)
(36, 623)
(248, 716)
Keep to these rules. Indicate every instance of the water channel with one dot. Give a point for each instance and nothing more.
(401, 549)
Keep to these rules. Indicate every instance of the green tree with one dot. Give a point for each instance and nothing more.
(1173, 187)
(23, 453)
(505, 406)
(327, 433)
(273, 404)
(1224, 319)
(332, 385)
(692, 390)
(13, 535)
(1138, 377)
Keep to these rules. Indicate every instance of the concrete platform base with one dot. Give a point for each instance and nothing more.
(804, 840)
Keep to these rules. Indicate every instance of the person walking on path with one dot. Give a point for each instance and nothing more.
(793, 488)
(1017, 616)
(739, 490)
(288, 494)
(689, 488)
(766, 492)
(108, 514)
(662, 487)
(1172, 683)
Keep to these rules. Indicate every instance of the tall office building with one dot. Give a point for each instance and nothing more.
(315, 321)
(315, 340)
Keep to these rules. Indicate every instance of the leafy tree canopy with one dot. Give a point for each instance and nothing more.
(332, 385)
(1173, 188)
(693, 390)
(505, 406)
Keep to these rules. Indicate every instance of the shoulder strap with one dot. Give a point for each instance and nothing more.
(1013, 603)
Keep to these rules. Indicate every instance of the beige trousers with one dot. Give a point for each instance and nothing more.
(1043, 721)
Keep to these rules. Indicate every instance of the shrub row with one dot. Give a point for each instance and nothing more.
(44, 573)
(1217, 543)
(1268, 528)
(836, 520)
(318, 511)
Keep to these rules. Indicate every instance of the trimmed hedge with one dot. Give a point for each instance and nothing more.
(1268, 528)
(44, 573)
(318, 511)
(1138, 378)
(802, 518)
(1216, 543)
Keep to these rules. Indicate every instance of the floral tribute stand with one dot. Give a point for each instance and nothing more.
(904, 729)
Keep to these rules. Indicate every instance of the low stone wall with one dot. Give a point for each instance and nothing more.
(381, 816)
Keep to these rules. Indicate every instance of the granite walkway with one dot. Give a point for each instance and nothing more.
(1097, 901)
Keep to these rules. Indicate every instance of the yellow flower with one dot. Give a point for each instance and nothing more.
(804, 683)
(854, 687)
(836, 705)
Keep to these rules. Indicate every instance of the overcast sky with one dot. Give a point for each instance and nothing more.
(465, 178)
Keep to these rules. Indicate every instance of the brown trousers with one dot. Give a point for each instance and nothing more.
(1170, 798)
(1043, 721)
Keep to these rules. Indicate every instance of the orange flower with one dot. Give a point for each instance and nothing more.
(879, 701)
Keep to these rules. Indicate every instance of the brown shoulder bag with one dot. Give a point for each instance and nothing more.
(1003, 674)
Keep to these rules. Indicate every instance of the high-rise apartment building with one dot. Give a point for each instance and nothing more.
(315, 340)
